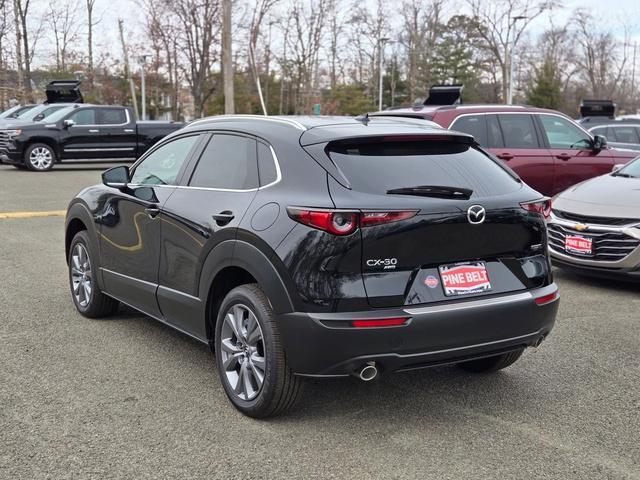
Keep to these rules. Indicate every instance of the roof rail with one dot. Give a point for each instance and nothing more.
(216, 118)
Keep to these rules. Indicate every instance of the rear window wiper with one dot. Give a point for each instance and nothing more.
(438, 191)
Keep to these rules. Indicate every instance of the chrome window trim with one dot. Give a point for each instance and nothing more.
(126, 112)
(189, 187)
(223, 118)
(588, 133)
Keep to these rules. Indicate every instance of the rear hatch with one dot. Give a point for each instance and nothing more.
(461, 230)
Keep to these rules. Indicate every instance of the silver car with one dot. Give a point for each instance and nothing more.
(595, 226)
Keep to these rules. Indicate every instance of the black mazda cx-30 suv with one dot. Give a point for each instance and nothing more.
(319, 247)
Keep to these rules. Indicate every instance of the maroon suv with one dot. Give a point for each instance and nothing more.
(547, 149)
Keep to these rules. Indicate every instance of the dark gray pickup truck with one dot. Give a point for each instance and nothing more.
(80, 132)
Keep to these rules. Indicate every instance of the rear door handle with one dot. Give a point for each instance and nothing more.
(94, 131)
(505, 156)
(223, 218)
(564, 156)
(128, 130)
(152, 212)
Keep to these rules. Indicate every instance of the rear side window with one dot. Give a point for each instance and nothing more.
(228, 162)
(473, 125)
(112, 116)
(266, 165)
(626, 134)
(377, 167)
(518, 131)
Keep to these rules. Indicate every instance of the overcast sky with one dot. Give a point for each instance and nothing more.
(612, 13)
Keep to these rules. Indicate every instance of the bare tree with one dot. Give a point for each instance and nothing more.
(62, 19)
(422, 26)
(227, 57)
(601, 60)
(260, 11)
(306, 21)
(501, 23)
(199, 28)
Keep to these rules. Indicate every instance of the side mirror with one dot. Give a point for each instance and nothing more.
(38, 117)
(116, 177)
(68, 123)
(617, 167)
(599, 142)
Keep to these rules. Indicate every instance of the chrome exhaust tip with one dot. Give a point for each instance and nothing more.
(368, 372)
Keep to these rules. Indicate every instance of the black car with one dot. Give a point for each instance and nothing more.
(80, 132)
(319, 247)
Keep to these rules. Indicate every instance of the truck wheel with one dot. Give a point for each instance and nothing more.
(492, 364)
(250, 357)
(39, 157)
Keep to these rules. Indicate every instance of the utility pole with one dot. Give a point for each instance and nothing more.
(227, 59)
(511, 52)
(143, 93)
(381, 43)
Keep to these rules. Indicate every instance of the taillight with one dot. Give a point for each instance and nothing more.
(344, 222)
(543, 207)
(379, 322)
(337, 222)
(369, 219)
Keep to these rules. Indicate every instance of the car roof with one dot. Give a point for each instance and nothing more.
(319, 129)
(427, 111)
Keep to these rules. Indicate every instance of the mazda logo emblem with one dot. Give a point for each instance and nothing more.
(476, 214)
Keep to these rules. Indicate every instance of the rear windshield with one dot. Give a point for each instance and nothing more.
(382, 166)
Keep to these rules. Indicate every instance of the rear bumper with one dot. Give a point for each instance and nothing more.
(322, 344)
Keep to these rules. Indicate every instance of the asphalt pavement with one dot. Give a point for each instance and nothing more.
(127, 397)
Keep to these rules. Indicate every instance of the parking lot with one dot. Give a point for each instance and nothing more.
(128, 397)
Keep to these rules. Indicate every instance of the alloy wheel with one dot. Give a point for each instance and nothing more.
(41, 158)
(243, 352)
(81, 277)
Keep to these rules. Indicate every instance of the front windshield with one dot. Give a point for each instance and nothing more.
(59, 115)
(631, 169)
(32, 112)
(13, 111)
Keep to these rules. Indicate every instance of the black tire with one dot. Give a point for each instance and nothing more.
(491, 364)
(39, 165)
(280, 388)
(98, 305)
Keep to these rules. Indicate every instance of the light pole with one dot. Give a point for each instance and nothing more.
(511, 51)
(143, 65)
(381, 42)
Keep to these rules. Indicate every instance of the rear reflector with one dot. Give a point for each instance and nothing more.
(379, 322)
(546, 298)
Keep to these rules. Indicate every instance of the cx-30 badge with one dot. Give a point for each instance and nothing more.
(476, 214)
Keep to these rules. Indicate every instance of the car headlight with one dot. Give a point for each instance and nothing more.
(13, 133)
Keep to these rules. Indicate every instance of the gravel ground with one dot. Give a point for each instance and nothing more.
(128, 397)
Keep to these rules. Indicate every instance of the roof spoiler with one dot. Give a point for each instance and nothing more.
(597, 108)
(64, 91)
(444, 94)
